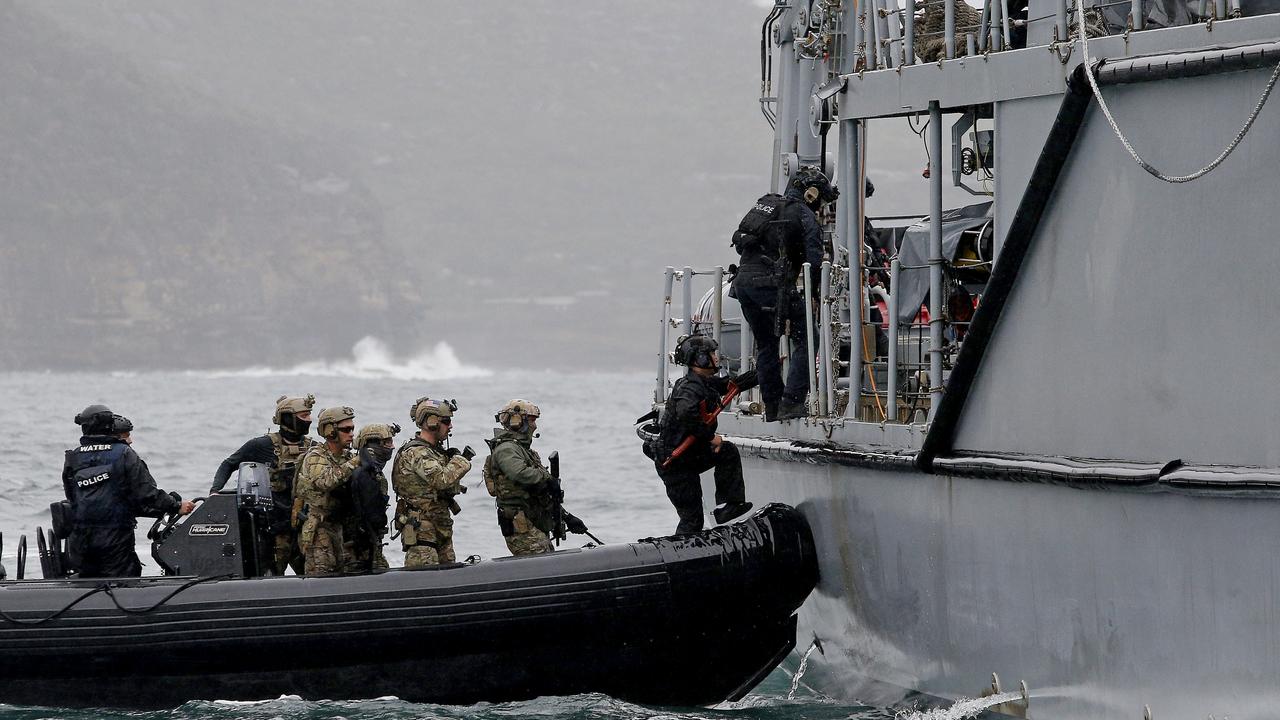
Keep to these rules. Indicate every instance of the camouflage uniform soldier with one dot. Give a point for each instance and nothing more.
(281, 451)
(317, 511)
(526, 492)
(426, 477)
(366, 522)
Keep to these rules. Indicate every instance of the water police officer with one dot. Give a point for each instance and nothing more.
(317, 504)
(426, 477)
(692, 399)
(280, 451)
(526, 492)
(108, 486)
(775, 238)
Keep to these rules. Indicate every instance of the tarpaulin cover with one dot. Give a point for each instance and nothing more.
(913, 280)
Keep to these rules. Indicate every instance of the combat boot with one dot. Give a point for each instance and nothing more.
(730, 510)
(771, 410)
(792, 409)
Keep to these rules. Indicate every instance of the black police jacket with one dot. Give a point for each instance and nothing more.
(692, 398)
(795, 232)
(109, 485)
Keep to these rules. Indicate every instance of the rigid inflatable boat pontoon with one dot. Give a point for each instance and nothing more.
(686, 620)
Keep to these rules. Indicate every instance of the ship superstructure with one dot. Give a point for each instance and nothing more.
(1042, 442)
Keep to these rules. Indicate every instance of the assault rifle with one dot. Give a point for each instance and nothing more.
(557, 499)
(737, 384)
(558, 523)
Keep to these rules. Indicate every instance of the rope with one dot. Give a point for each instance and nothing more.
(871, 373)
(1106, 111)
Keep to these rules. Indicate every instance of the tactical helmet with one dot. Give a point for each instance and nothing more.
(695, 351)
(331, 417)
(295, 405)
(95, 418)
(376, 431)
(514, 415)
(814, 185)
(424, 408)
(120, 425)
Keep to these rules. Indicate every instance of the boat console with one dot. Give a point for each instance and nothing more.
(227, 534)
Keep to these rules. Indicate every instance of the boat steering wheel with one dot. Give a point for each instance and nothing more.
(163, 526)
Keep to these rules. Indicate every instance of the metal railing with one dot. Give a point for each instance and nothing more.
(695, 318)
(882, 35)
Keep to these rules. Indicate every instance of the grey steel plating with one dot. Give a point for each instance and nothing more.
(1080, 486)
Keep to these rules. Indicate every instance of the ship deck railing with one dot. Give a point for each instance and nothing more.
(891, 387)
(886, 36)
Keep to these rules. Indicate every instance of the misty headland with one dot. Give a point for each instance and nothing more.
(213, 185)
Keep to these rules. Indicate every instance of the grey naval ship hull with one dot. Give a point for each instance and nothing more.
(1092, 505)
(1102, 599)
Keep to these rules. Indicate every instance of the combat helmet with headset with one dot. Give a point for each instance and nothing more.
(327, 423)
(287, 411)
(515, 415)
(428, 414)
(696, 351)
(380, 432)
(815, 189)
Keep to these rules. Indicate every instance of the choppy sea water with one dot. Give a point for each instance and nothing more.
(186, 423)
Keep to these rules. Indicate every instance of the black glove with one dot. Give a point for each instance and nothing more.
(452, 452)
(746, 380)
(575, 526)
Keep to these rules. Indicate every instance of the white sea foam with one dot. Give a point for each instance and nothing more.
(964, 708)
(372, 359)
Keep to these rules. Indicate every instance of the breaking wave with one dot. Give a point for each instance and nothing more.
(372, 359)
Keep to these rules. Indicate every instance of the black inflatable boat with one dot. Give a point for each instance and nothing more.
(687, 620)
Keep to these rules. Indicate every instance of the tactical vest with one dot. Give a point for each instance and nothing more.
(308, 500)
(420, 519)
(759, 232)
(512, 496)
(99, 498)
(287, 458)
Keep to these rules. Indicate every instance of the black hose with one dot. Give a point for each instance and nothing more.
(110, 592)
(142, 611)
(30, 623)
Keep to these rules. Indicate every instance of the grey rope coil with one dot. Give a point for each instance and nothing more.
(1156, 173)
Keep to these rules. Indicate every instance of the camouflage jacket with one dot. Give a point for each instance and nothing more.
(319, 474)
(519, 481)
(425, 479)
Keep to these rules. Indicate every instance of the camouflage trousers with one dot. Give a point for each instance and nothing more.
(321, 544)
(285, 554)
(363, 556)
(527, 539)
(416, 556)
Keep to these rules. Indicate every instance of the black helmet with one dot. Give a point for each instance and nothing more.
(814, 186)
(120, 425)
(95, 419)
(695, 351)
